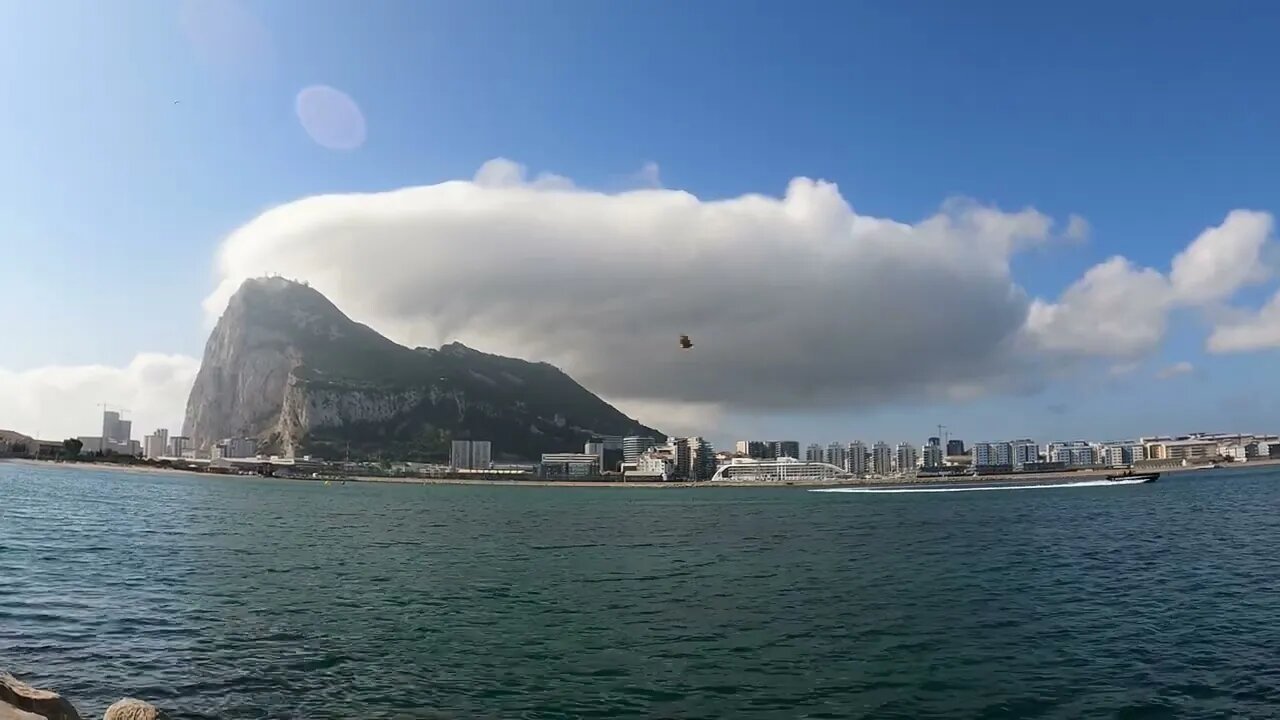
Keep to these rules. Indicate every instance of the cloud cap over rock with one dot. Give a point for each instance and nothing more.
(791, 301)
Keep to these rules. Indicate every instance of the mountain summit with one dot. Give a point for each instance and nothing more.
(286, 366)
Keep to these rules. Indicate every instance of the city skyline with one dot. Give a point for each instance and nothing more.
(922, 241)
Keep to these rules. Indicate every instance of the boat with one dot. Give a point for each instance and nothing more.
(1130, 475)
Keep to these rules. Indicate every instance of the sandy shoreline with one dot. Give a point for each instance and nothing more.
(861, 482)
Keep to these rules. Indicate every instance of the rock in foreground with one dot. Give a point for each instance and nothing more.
(132, 709)
(29, 701)
(20, 701)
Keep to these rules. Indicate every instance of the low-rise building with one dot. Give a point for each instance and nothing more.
(1073, 453)
(570, 465)
(1184, 449)
(239, 447)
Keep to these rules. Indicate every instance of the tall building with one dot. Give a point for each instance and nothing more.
(1023, 452)
(905, 457)
(836, 454)
(992, 455)
(931, 456)
(857, 458)
(702, 459)
(881, 459)
(595, 448)
(813, 453)
(786, 448)
(471, 455)
(752, 448)
(481, 454)
(955, 447)
(115, 430)
(633, 446)
(179, 446)
(156, 445)
(682, 458)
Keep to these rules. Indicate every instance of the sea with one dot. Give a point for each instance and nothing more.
(260, 598)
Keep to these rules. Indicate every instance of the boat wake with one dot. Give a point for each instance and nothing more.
(935, 489)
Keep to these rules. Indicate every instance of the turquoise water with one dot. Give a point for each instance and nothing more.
(225, 598)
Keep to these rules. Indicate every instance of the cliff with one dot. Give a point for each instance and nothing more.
(286, 366)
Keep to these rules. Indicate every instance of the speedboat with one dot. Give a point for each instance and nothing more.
(1132, 476)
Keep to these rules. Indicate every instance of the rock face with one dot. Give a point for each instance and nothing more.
(131, 709)
(20, 701)
(286, 366)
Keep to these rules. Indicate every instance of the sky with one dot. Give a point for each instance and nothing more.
(1010, 219)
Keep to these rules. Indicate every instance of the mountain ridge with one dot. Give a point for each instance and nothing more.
(288, 367)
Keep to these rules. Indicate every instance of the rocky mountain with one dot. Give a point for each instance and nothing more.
(286, 366)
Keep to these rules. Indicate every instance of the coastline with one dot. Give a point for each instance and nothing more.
(858, 482)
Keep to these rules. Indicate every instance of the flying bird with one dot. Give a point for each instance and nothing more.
(685, 342)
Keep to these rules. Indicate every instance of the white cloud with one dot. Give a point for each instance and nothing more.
(1120, 310)
(59, 402)
(792, 302)
(1174, 370)
(649, 175)
(1257, 332)
(1222, 259)
(1115, 310)
(1122, 369)
(1077, 229)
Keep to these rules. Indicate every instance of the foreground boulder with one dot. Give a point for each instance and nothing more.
(9, 712)
(28, 701)
(131, 709)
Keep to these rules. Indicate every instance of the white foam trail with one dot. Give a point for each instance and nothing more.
(1082, 483)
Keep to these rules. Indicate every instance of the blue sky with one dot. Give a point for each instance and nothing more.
(1151, 121)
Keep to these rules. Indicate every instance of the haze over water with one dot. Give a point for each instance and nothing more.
(222, 598)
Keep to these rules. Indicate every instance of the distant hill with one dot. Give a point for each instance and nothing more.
(286, 366)
(10, 440)
(9, 437)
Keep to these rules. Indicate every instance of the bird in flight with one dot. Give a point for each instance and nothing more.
(685, 342)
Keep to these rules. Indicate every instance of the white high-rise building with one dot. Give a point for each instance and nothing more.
(180, 446)
(836, 454)
(881, 459)
(1075, 453)
(115, 430)
(481, 454)
(595, 448)
(156, 445)
(857, 458)
(905, 457)
(470, 455)
(1023, 452)
(992, 455)
(813, 453)
(931, 457)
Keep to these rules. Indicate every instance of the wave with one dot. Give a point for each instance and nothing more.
(1046, 486)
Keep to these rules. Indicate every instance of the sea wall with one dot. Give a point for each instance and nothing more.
(20, 701)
